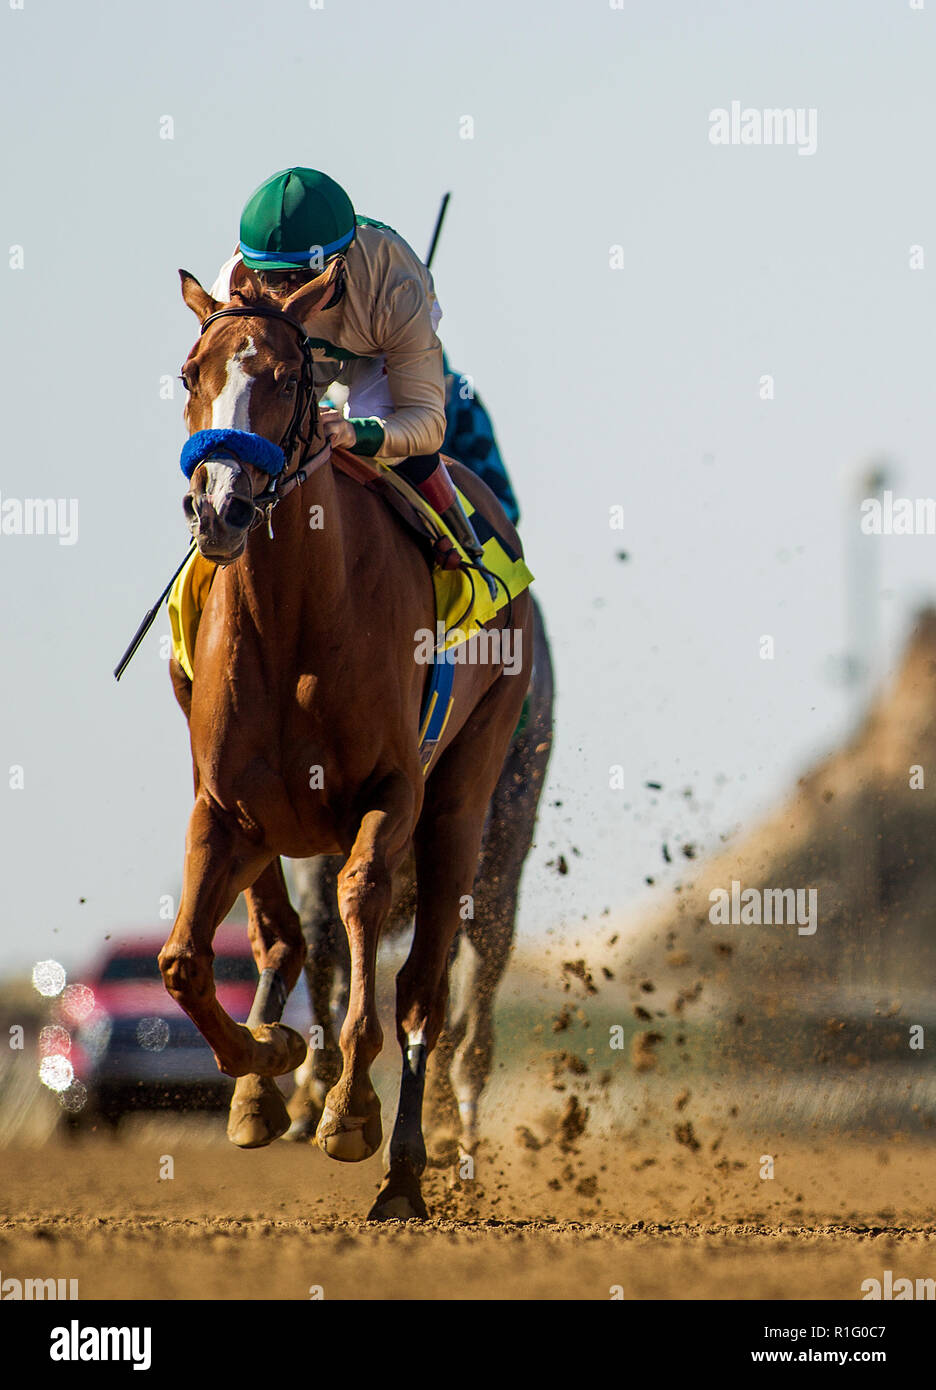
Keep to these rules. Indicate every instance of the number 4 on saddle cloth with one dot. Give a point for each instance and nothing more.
(463, 602)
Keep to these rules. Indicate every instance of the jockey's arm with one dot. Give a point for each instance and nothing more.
(414, 383)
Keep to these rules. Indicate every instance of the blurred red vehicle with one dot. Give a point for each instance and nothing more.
(136, 1049)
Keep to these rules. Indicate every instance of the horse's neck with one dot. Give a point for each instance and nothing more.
(308, 549)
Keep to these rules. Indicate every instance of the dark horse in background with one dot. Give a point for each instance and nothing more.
(460, 1065)
(306, 661)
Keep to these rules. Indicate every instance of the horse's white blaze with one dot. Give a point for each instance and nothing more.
(222, 475)
(230, 409)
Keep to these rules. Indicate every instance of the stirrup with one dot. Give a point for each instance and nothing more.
(463, 531)
(485, 573)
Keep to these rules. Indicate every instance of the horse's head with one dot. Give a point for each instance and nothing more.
(249, 376)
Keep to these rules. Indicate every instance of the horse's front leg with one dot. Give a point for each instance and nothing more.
(258, 1113)
(349, 1129)
(219, 862)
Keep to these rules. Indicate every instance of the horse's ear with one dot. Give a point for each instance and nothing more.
(199, 301)
(245, 283)
(306, 300)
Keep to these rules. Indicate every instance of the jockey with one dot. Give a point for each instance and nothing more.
(469, 434)
(375, 334)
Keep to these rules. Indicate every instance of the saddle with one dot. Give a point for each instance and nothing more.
(435, 540)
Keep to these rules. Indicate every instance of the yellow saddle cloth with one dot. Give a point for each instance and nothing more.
(462, 598)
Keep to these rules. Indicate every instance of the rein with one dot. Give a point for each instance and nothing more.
(278, 488)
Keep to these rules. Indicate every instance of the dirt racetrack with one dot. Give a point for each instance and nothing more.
(686, 1170)
(275, 1223)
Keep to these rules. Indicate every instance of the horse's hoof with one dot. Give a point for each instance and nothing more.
(349, 1138)
(258, 1113)
(399, 1199)
(300, 1132)
(304, 1112)
(278, 1049)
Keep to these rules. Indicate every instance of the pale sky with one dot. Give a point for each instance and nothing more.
(628, 377)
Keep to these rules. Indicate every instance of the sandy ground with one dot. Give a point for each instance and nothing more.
(600, 1171)
(547, 1223)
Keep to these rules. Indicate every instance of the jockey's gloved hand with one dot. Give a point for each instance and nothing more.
(339, 432)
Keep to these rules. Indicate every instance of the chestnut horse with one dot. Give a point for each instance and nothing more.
(459, 1068)
(303, 715)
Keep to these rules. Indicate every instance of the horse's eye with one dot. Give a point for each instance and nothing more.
(184, 381)
(289, 386)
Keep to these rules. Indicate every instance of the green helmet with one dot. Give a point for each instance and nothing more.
(296, 219)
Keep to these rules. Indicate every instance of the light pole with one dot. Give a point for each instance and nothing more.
(864, 954)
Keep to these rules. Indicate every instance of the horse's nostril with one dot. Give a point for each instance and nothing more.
(238, 513)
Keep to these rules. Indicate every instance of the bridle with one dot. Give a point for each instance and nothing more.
(279, 486)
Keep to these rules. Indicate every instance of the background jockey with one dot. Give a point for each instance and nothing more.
(375, 334)
(469, 438)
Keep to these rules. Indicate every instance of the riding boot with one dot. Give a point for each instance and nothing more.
(429, 475)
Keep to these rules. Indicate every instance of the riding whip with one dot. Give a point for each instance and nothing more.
(438, 227)
(150, 618)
